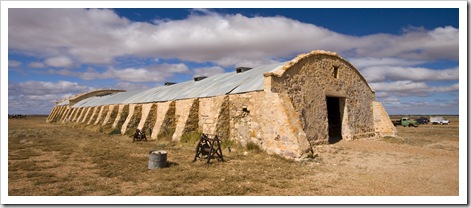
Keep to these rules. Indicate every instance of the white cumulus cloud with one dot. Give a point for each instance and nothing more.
(100, 35)
(154, 73)
(208, 71)
(384, 73)
(59, 61)
(37, 97)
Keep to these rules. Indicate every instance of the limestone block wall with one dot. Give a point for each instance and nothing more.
(110, 116)
(307, 82)
(145, 118)
(93, 115)
(127, 115)
(121, 116)
(86, 114)
(209, 110)
(79, 115)
(223, 119)
(63, 114)
(82, 112)
(134, 120)
(169, 123)
(383, 124)
(256, 117)
(108, 122)
(53, 115)
(70, 115)
(100, 115)
(182, 112)
(150, 119)
(66, 114)
(288, 118)
(266, 119)
(162, 118)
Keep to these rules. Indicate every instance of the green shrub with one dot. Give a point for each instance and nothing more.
(191, 137)
(115, 131)
(251, 146)
(228, 143)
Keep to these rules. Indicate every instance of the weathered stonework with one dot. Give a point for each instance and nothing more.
(383, 125)
(222, 121)
(130, 115)
(208, 115)
(310, 80)
(317, 98)
(168, 124)
(109, 118)
(182, 112)
(134, 120)
(66, 114)
(123, 111)
(93, 116)
(162, 110)
(80, 114)
(72, 114)
(86, 114)
(150, 120)
(100, 115)
(192, 122)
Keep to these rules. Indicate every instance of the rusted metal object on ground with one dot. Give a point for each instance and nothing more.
(139, 136)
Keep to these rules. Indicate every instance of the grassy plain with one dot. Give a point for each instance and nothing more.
(59, 160)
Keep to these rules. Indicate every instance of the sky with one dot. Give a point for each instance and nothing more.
(409, 56)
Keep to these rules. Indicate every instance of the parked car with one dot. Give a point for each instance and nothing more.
(439, 120)
(422, 120)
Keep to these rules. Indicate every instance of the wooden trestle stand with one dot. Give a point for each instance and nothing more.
(208, 147)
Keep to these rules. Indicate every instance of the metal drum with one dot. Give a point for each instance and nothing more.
(157, 159)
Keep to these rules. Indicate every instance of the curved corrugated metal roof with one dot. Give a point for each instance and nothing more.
(64, 102)
(221, 84)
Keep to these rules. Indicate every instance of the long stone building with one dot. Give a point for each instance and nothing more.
(285, 108)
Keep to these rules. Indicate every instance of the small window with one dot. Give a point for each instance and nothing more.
(336, 72)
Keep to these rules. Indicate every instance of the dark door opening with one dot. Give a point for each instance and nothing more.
(335, 120)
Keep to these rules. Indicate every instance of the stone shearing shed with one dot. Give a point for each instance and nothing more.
(285, 108)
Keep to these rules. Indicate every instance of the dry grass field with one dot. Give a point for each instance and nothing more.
(58, 160)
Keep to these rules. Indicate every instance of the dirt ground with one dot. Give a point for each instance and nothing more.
(59, 160)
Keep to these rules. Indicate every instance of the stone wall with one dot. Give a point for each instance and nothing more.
(383, 124)
(266, 119)
(209, 110)
(183, 109)
(311, 78)
(288, 118)
(160, 117)
(110, 117)
(148, 118)
(167, 126)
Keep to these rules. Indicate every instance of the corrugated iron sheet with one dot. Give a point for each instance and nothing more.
(221, 84)
(64, 102)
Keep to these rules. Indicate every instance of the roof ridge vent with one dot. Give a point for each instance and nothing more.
(242, 69)
(199, 78)
(169, 83)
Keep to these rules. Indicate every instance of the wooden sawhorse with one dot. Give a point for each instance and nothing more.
(209, 147)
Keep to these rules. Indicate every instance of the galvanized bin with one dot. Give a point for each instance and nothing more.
(157, 159)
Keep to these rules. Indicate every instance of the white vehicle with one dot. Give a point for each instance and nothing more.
(439, 120)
